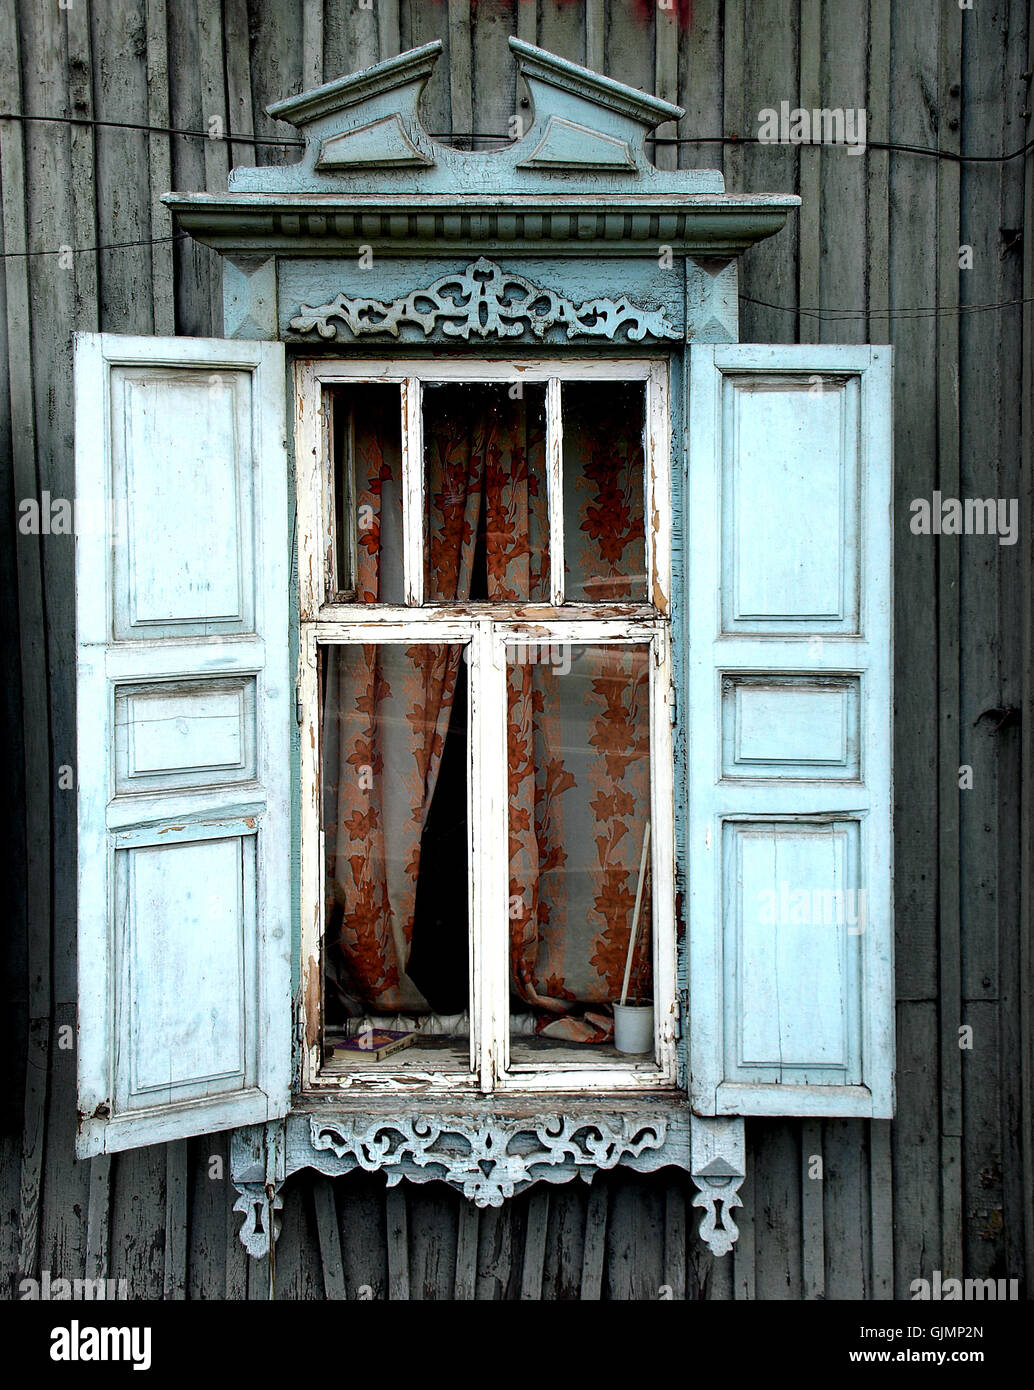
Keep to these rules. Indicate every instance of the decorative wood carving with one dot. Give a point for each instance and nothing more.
(260, 1206)
(485, 301)
(487, 1158)
(718, 1168)
(718, 1230)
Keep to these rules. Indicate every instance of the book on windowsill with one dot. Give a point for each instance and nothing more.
(374, 1043)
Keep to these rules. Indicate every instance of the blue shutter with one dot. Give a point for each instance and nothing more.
(789, 715)
(183, 724)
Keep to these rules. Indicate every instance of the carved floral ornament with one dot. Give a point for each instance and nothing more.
(485, 301)
(490, 1157)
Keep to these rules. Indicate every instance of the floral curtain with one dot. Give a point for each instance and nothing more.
(578, 717)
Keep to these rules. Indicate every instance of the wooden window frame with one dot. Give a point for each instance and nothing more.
(486, 628)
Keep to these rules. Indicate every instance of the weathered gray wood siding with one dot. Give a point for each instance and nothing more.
(947, 1185)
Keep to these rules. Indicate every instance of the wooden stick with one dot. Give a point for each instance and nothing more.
(635, 914)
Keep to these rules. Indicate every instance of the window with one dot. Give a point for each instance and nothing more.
(778, 649)
(485, 686)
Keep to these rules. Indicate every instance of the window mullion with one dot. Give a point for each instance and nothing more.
(413, 490)
(555, 486)
(489, 954)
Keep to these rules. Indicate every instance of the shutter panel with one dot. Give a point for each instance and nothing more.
(183, 738)
(789, 717)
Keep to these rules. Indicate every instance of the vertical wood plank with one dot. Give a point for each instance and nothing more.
(312, 44)
(776, 1212)
(175, 1284)
(565, 1242)
(493, 76)
(434, 1229)
(912, 281)
(768, 63)
(535, 1243)
(32, 648)
(666, 80)
(212, 65)
(388, 28)
(159, 153)
(990, 465)
(734, 118)
(842, 181)
(813, 1240)
(701, 85)
(98, 1217)
(398, 1243)
(809, 329)
(238, 82)
(329, 1238)
(948, 651)
(881, 1210)
(595, 29)
(138, 1216)
(364, 1243)
(466, 1252)
(846, 1197)
(744, 1254)
(917, 1174)
(275, 41)
(1027, 753)
(83, 171)
(674, 1270)
(595, 1238)
(236, 1258)
(461, 103)
(877, 169)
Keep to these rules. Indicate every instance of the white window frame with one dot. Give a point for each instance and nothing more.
(486, 628)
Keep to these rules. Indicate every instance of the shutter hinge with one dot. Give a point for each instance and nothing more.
(298, 709)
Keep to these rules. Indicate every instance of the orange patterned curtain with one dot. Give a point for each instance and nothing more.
(578, 721)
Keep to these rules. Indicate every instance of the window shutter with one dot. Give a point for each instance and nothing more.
(789, 715)
(183, 745)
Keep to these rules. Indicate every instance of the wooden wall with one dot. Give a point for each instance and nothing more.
(948, 1184)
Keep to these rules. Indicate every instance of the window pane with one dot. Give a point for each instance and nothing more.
(394, 780)
(486, 509)
(604, 541)
(366, 552)
(578, 724)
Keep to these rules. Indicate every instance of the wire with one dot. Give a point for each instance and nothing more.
(236, 139)
(111, 246)
(927, 312)
(868, 145)
(832, 315)
(154, 129)
(930, 311)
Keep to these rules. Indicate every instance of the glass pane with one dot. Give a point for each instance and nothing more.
(578, 724)
(367, 506)
(485, 486)
(604, 540)
(394, 779)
